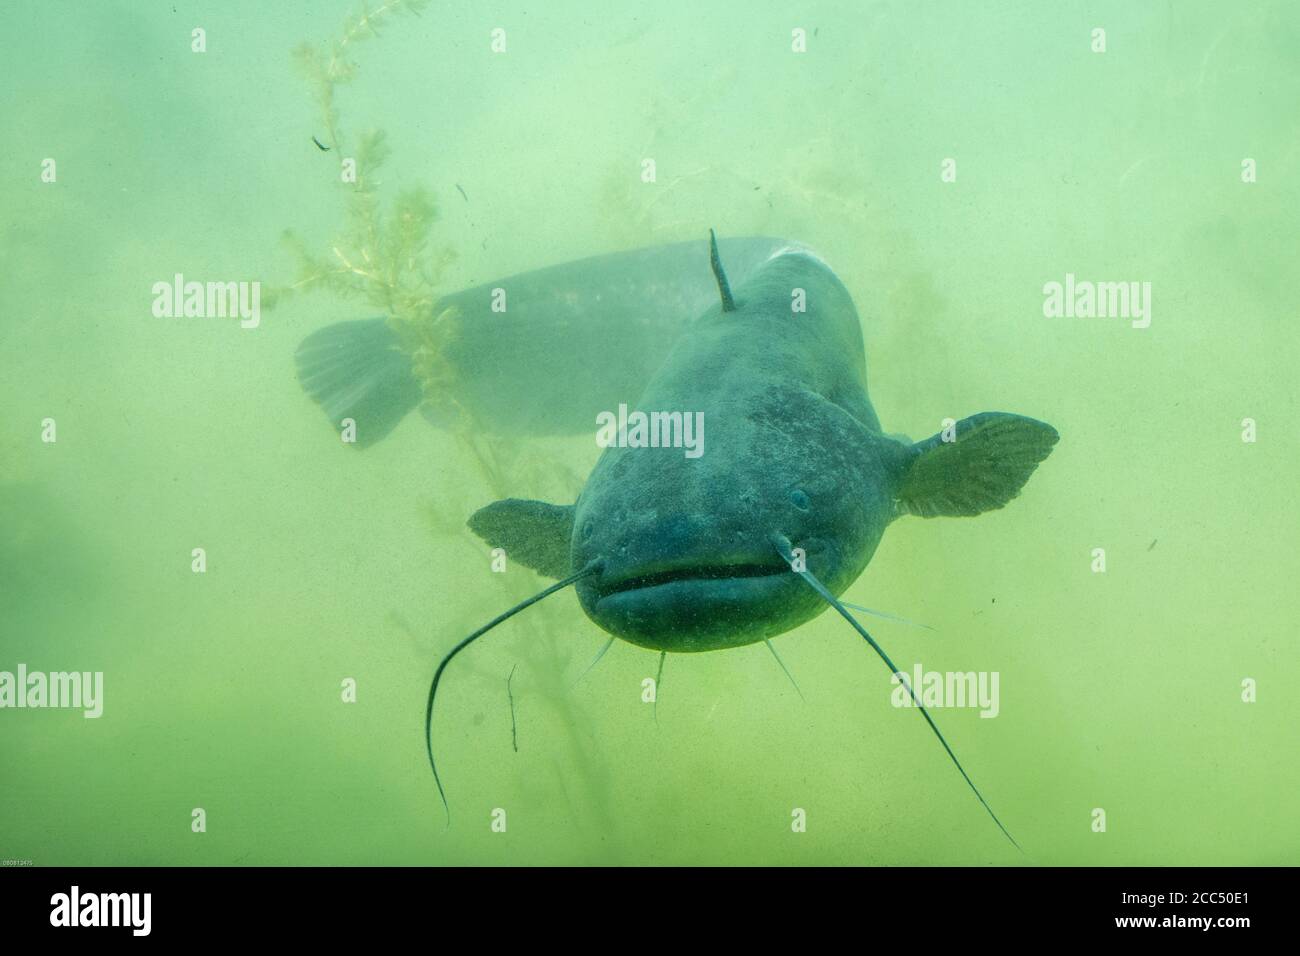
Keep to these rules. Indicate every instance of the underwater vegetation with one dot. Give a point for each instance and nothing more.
(550, 659)
(385, 259)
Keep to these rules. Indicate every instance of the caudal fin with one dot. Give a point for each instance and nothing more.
(358, 370)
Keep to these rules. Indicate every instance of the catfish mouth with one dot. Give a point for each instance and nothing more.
(695, 574)
(691, 604)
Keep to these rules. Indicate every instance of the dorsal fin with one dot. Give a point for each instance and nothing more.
(724, 288)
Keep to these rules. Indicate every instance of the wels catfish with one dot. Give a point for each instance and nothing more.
(787, 503)
(518, 344)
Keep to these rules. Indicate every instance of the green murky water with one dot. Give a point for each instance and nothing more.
(1119, 690)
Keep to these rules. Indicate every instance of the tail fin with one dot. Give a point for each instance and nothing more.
(357, 370)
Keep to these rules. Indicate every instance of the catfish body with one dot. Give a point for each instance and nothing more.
(679, 552)
(793, 449)
(792, 444)
(521, 342)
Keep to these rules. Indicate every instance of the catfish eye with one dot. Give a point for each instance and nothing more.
(799, 500)
(586, 531)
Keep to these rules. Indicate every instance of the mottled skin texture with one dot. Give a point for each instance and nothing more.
(792, 446)
(684, 554)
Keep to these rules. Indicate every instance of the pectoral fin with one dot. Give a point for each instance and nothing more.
(533, 533)
(985, 466)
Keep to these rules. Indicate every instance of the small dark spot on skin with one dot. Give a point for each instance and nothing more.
(994, 601)
(478, 718)
(1152, 544)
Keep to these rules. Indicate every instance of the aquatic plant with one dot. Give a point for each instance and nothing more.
(543, 641)
(329, 67)
(385, 259)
